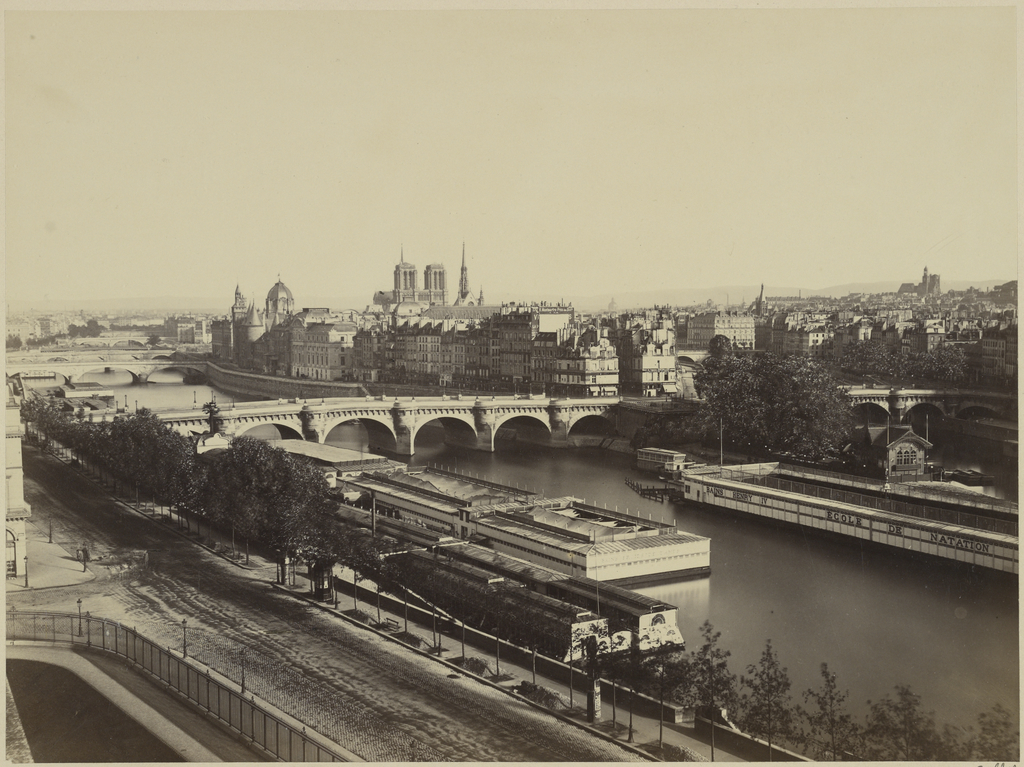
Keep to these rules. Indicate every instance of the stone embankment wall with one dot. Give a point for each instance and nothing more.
(277, 387)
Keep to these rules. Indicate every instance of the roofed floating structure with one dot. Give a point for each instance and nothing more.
(560, 548)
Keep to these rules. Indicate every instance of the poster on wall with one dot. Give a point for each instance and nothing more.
(658, 629)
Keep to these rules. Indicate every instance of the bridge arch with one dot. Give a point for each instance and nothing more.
(919, 410)
(183, 369)
(105, 367)
(379, 429)
(284, 430)
(575, 418)
(528, 427)
(872, 412)
(459, 430)
(971, 410)
(596, 424)
(504, 418)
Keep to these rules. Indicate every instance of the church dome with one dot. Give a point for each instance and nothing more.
(409, 309)
(279, 291)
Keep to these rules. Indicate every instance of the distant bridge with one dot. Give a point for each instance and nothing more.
(393, 425)
(899, 404)
(71, 367)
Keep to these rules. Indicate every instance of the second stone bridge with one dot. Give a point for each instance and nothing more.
(392, 425)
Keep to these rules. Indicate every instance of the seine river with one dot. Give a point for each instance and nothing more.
(878, 619)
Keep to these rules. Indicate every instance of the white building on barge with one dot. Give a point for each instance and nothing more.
(564, 534)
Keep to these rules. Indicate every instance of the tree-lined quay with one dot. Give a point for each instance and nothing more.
(264, 495)
(379, 699)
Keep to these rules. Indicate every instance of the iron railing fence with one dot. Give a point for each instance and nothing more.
(285, 740)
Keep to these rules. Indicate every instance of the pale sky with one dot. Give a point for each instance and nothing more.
(588, 152)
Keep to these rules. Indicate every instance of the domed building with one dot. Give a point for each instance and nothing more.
(280, 304)
(241, 337)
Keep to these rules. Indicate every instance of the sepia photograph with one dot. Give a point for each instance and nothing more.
(508, 383)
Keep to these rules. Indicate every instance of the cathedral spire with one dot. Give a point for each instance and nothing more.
(464, 277)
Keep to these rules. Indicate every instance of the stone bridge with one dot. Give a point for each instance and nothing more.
(393, 425)
(72, 366)
(901, 403)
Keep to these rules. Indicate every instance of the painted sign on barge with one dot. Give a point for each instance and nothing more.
(984, 548)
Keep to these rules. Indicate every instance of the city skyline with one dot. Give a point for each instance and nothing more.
(586, 152)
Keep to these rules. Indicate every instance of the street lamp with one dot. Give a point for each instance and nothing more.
(184, 637)
(79, 616)
(242, 651)
(26, 571)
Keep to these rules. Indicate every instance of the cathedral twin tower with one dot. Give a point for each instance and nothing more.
(435, 286)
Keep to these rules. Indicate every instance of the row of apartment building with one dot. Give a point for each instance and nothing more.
(990, 345)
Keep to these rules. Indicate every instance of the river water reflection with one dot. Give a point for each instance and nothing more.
(877, 619)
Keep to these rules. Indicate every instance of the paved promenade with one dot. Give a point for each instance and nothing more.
(179, 726)
(49, 565)
(56, 580)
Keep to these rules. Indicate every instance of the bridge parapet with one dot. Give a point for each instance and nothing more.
(470, 422)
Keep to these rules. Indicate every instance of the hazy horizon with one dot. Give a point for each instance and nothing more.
(582, 153)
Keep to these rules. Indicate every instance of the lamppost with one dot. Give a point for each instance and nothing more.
(79, 616)
(184, 637)
(26, 571)
(242, 652)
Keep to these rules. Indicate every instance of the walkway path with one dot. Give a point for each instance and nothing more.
(383, 701)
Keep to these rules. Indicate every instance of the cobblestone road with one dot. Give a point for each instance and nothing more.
(374, 697)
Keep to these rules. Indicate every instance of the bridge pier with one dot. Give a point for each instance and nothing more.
(401, 417)
(314, 426)
(558, 424)
(483, 420)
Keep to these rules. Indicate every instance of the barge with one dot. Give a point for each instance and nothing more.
(965, 537)
(563, 534)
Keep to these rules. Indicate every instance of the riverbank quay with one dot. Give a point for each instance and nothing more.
(507, 671)
(376, 698)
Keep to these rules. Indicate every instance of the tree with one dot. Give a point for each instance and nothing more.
(766, 712)
(665, 670)
(720, 346)
(897, 729)
(832, 730)
(13, 343)
(998, 737)
(153, 340)
(712, 685)
(768, 404)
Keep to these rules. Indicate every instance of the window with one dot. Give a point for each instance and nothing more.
(906, 456)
